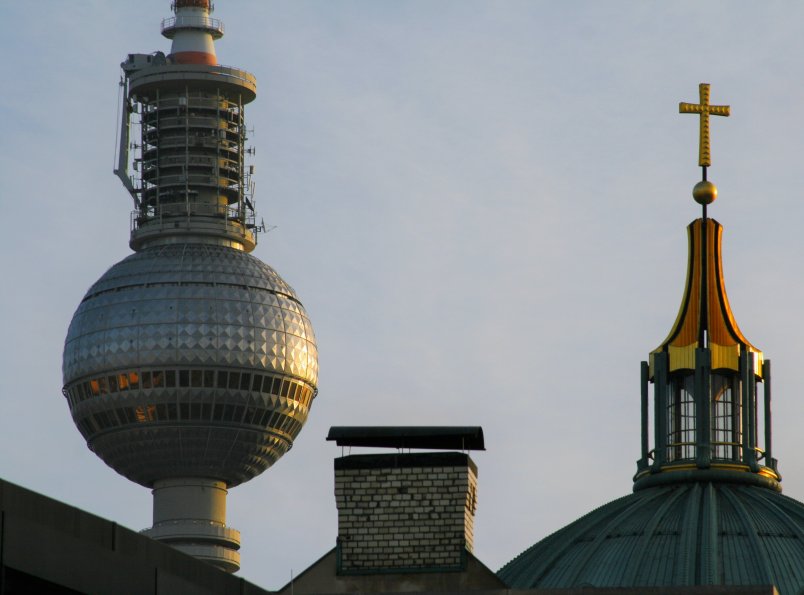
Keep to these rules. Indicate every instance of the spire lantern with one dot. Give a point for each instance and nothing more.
(706, 375)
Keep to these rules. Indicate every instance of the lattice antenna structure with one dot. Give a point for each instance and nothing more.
(182, 153)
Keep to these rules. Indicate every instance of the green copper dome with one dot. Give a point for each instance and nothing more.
(682, 534)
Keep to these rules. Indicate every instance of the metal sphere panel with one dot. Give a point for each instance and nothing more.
(232, 455)
(191, 304)
(190, 359)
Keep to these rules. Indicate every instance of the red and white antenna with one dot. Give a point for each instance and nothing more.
(193, 32)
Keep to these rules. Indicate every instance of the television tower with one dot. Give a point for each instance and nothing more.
(190, 366)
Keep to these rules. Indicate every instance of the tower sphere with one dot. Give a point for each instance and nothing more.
(190, 360)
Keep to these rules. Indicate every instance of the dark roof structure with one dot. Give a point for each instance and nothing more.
(49, 547)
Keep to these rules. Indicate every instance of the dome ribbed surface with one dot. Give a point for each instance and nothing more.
(697, 533)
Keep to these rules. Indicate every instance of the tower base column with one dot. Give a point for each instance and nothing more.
(190, 515)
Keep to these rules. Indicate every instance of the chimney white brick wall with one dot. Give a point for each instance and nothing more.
(405, 511)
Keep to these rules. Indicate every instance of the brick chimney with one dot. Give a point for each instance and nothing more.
(404, 511)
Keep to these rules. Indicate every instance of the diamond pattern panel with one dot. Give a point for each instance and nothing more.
(269, 317)
(263, 298)
(308, 330)
(157, 343)
(296, 356)
(122, 347)
(195, 309)
(93, 319)
(120, 315)
(197, 344)
(71, 357)
(235, 310)
(157, 311)
(294, 323)
(236, 345)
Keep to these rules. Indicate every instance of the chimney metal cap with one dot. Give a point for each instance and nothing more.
(425, 437)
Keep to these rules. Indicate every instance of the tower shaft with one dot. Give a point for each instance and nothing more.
(190, 514)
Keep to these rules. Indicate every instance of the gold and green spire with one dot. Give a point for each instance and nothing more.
(705, 318)
(706, 373)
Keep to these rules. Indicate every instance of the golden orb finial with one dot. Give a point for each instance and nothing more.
(704, 192)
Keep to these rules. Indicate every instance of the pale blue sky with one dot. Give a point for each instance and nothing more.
(482, 206)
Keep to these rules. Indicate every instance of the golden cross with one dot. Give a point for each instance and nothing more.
(704, 109)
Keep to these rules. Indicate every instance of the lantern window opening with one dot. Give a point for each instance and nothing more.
(681, 417)
(726, 415)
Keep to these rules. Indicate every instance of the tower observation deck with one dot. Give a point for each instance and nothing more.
(190, 366)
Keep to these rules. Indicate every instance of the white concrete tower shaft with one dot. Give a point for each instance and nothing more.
(190, 515)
